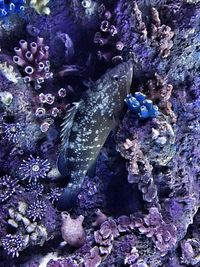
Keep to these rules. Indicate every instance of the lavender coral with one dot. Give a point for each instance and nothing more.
(110, 47)
(72, 230)
(33, 59)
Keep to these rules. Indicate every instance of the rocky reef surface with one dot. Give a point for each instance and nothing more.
(138, 204)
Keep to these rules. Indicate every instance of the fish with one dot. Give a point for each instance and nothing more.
(87, 126)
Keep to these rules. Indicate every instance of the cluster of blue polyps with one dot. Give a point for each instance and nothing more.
(142, 106)
(12, 6)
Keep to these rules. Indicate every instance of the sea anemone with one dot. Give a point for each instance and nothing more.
(54, 194)
(12, 244)
(13, 131)
(37, 210)
(34, 168)
(8, 187)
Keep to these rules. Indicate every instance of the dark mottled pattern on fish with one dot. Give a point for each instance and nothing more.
(89, 123)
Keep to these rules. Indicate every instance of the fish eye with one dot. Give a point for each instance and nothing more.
(116, 78)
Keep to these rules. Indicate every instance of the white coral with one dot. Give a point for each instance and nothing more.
(40, 6)
(9, 72)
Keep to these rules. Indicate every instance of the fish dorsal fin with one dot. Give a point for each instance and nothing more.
(67, 124)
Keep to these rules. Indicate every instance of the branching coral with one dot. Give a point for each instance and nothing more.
(40, 6)
(34, 168)
(160, 91)
(161, 35)
(33, 59)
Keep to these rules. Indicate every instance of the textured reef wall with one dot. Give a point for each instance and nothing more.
(99, 99)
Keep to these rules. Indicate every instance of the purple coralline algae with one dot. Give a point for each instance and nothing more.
(73, 194)
(72, 230)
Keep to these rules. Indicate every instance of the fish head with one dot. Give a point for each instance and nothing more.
(116, 84)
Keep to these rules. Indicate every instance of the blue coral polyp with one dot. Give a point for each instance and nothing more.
(143, 107)
(13, 7)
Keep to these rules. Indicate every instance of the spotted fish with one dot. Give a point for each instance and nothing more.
(87, 126)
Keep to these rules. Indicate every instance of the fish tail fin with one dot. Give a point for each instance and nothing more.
(68, 198)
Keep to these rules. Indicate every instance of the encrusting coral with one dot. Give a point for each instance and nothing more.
(138, 204)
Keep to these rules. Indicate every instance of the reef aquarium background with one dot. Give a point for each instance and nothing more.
(99, 133)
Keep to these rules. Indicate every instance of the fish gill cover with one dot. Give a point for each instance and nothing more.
(99, 133)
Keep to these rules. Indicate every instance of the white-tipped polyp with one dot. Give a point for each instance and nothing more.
(29, 70)
(40, 80)
(47, 69)
(23, 44)
(12, 6)
(40, 66)
(33, 47)
(27, 79)
(29, 56)
(18, 51)
(19, 61)
(40, 41)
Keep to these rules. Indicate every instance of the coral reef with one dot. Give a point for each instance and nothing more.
(99, 133)
(33, 59)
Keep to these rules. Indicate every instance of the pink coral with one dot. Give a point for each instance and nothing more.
(72, 230)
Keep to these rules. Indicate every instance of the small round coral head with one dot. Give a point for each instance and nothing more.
(148, 103)
(132, 103)
(143, 113)
(140, 97)
(153, 112)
